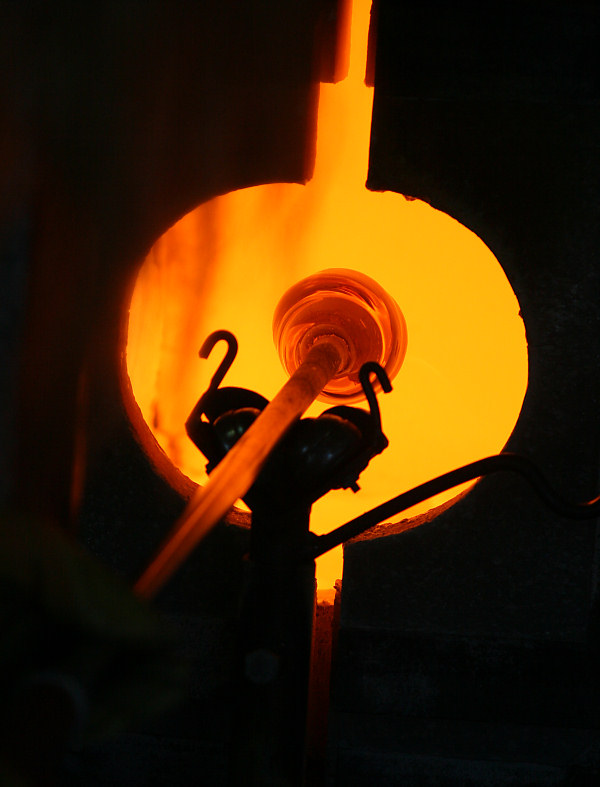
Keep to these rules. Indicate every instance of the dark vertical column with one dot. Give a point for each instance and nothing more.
(276, 626)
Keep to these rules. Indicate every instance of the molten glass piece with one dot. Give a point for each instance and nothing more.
(347, 309)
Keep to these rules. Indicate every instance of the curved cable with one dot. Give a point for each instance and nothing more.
(491, 464)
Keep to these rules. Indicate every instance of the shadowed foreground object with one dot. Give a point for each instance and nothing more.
(82, 659)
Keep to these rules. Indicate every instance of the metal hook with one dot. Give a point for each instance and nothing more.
(364, 375)
(224, 366)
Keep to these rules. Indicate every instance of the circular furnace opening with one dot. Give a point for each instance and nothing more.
(225, 265)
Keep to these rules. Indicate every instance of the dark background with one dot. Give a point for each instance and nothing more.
(468, 647)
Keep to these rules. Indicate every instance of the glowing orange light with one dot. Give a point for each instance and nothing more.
(227, 263)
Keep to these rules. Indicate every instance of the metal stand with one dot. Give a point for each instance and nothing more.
(278, 604)
(276, 628)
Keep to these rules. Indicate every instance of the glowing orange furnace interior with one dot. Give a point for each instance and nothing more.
(226, 264)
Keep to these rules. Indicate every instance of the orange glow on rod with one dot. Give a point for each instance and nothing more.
(227, 263)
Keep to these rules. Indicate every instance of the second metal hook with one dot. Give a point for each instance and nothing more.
(366, 370)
